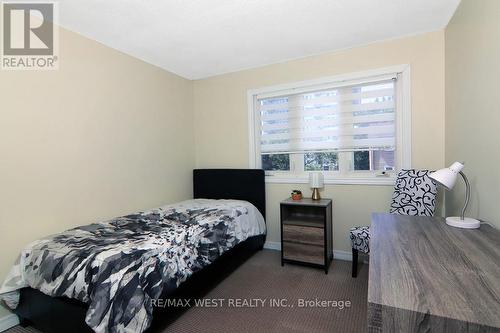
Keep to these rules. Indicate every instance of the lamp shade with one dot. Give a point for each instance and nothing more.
(447, 176)
(316, 179)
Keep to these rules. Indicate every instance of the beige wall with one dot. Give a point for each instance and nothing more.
(472, 112)
(105, 135)
(221, 125)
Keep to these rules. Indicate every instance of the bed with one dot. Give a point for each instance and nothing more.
(67, 314)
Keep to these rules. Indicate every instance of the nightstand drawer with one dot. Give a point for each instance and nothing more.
(314, 254)
(303, 235)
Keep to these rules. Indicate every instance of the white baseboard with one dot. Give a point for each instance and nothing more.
(8, 321)
(337, 254)
(342, 255)
(272, 246)
(347, 256)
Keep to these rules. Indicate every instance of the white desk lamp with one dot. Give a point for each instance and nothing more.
(447, 177)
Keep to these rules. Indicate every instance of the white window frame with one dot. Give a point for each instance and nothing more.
(403, 128)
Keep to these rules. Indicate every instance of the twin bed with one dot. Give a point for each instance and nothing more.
(107, 277)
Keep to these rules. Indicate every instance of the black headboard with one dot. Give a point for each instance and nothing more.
(239, 184)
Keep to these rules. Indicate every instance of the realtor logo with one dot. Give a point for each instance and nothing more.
(29, 36)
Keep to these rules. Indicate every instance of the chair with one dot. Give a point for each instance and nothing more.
(414, 194)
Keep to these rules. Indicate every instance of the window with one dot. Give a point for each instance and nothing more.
(353, 129)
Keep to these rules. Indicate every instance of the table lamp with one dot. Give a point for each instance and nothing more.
(447, 177)
(316, 182)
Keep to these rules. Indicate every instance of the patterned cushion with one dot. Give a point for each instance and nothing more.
(414, 194)
(360, 238)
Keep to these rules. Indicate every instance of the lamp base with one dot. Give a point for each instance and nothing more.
(466, 223)
(315, 194)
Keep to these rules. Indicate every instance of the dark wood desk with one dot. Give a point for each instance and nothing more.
(426, 276)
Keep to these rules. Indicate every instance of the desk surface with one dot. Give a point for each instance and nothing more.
(425, 274)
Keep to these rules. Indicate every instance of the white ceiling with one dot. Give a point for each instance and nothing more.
(201, 38)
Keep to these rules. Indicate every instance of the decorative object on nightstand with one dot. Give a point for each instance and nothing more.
(447, 177)
(296, 195)
(316, 182)
(306, 232)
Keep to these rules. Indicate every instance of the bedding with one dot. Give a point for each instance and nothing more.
(119, 266)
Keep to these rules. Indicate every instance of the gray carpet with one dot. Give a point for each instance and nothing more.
(262, 277)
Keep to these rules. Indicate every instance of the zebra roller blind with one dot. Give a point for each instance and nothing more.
(341, 118)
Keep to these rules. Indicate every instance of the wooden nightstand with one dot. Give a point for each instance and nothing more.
(306, 232)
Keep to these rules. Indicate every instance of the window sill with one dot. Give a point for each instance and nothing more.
(383, 181)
